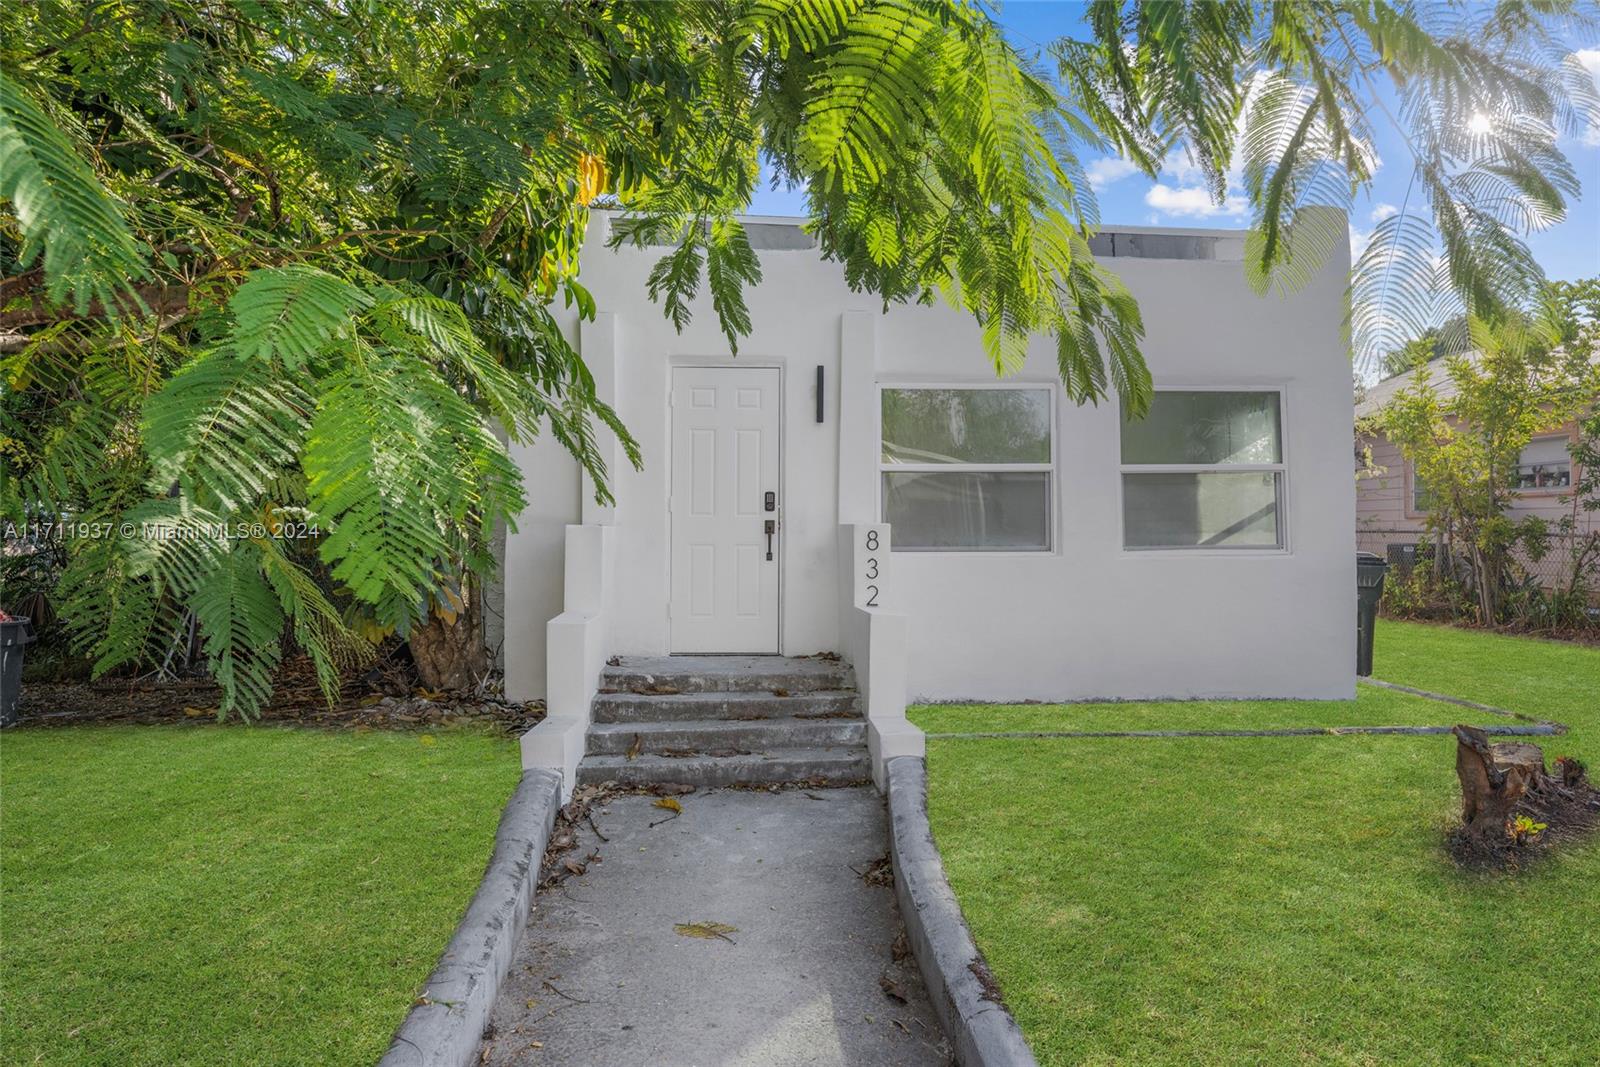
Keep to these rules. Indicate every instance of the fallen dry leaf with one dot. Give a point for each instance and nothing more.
(891, 989)
(195, 713)
(670, 803)
(633, 749)
(427, 739)
(880, 872)
(574, 866)
(706, 931)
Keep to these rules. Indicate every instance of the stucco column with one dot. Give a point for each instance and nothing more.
(597, 342)
(858, 417)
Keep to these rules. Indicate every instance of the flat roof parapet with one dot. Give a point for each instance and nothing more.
(769, 233)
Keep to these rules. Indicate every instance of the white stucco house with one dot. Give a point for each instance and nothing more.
(858, 482)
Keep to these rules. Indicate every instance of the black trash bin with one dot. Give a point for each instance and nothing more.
(1370, 570)
(14, 634)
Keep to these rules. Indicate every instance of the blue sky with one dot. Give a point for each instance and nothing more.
(1178, 198)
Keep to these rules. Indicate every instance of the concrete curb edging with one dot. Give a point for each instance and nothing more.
(1538, 729)
(1443, 698)
(445, 1027)
(981, 1031)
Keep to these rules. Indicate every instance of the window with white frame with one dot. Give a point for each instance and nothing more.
(1545, 464)
(1204, 469)
(967, 469)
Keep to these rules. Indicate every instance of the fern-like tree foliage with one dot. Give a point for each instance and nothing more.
(283, 266)
(1293, 93)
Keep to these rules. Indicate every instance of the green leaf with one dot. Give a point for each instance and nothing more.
(292, 313)
(223, 428)
(242, 626)
(63, 210)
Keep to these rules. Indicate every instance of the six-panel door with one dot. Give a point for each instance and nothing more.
(725, 427)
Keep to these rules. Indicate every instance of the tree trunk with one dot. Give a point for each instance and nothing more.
(1487, 580)
(1493, 779)
(448, 648)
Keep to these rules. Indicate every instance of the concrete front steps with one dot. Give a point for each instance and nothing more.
(712, 721)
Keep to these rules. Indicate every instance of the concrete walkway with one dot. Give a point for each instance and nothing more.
(602, 978)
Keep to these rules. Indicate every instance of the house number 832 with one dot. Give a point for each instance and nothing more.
(871, 579)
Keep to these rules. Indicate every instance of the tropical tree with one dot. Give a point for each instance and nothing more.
(1292, 93)
(1435, 343)
(1521, 380)
(279, 267)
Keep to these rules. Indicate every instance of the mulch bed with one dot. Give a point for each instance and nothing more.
(385, 697)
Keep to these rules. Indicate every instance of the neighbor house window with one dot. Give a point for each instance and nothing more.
(1204, 469)
(967, 470)
(1544, 464)
(1421, 499)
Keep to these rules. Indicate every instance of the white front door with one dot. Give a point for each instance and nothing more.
(725, 427)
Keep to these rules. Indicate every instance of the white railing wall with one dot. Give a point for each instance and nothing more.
(578, 640)
(576, 645)
(873, 637)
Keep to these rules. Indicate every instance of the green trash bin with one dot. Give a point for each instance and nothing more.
(1370, 570)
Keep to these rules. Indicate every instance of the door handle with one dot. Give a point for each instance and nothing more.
(771, 528)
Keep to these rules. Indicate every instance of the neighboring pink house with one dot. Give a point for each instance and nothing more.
(1392, 507)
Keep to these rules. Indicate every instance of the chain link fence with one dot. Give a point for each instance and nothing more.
(1405, 549)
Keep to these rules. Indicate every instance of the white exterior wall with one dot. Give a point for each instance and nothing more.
(532, 576)
(1086, 620)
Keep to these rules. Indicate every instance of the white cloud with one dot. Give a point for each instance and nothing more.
(1590, 58)
(1194, 201)
(1381, 211)
(1109, 169)
(1359, 239)
(1181, 189)
(1181, 169)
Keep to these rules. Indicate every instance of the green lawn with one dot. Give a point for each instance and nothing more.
(1374, 707)
(1281, 899)
(238, 895)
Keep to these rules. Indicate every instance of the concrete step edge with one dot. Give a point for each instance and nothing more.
(844, 763)
(763, 735)
(733, 682)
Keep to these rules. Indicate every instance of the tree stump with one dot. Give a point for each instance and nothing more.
(1500, 784)
(1494, 778)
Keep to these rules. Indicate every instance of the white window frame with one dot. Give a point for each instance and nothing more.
(1048, 469)
(1281, 469)
(1565, 438)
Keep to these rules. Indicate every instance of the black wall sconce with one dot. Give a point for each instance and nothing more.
(819, 392)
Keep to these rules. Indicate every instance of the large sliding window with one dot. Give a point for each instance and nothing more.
(1204, 470)
(968, 469)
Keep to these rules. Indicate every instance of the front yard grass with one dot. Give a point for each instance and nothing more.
(228, 894)
(1373, 707)
(1277, 899)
